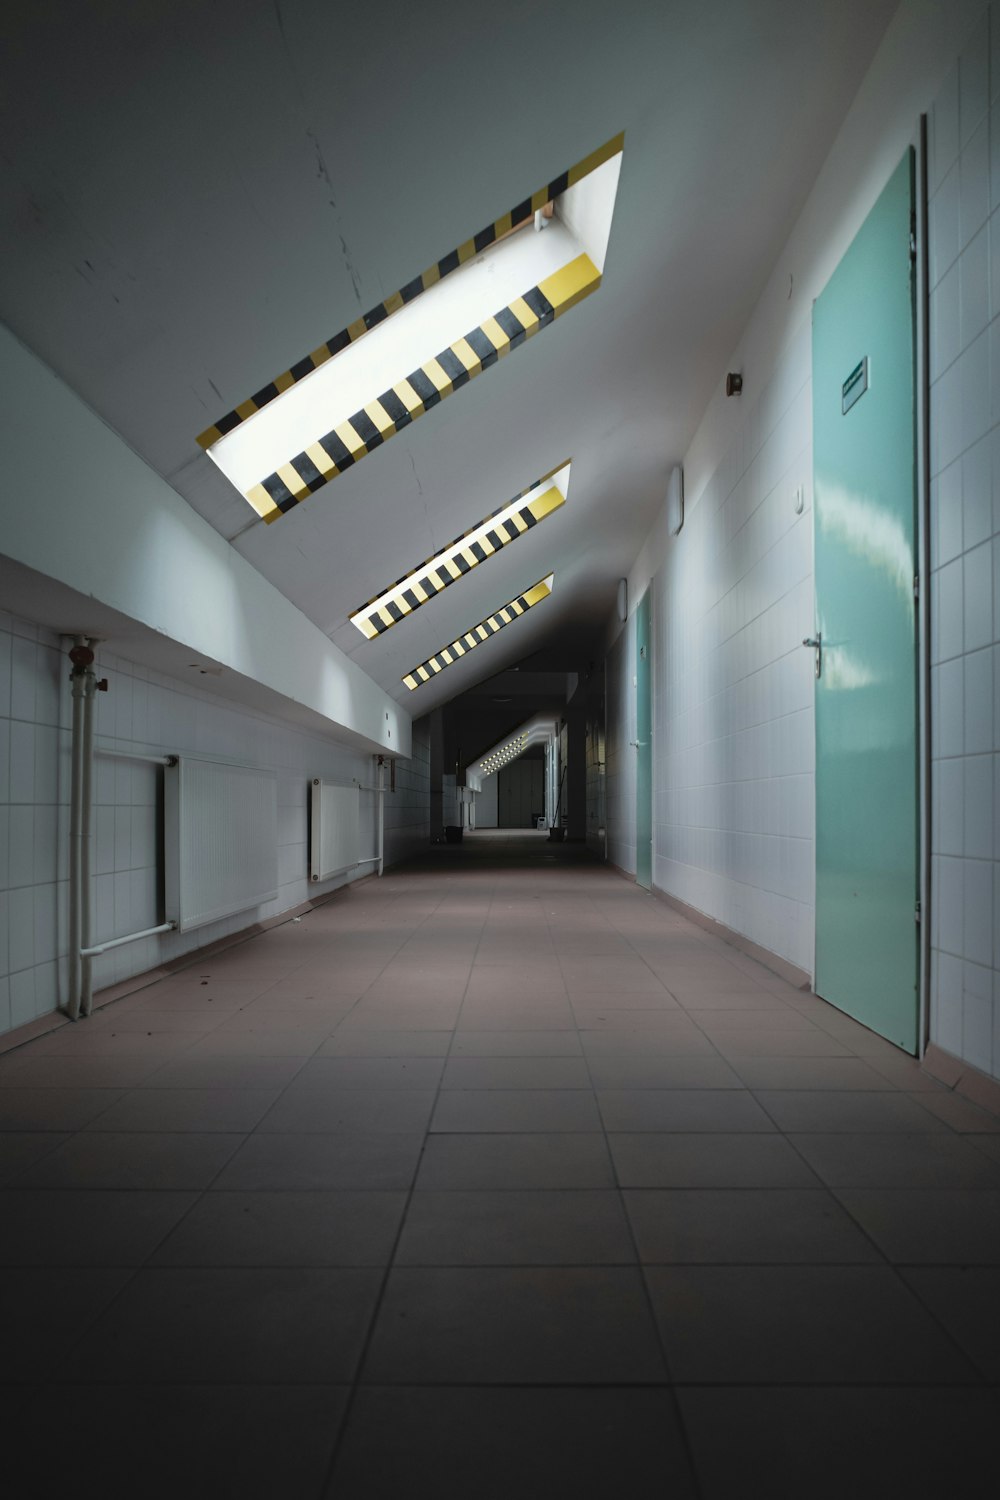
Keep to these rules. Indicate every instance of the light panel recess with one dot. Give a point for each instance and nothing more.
(425, 341)
(481, 632)
(432, 577)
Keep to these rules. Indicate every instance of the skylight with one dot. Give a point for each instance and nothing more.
(481, 632)
(465, 553)
(425, 341)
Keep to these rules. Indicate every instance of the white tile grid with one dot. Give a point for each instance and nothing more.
(733, 769)
(620, 756)
(146, 711)
(965, 558)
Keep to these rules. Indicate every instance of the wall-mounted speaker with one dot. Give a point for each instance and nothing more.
(675, 500)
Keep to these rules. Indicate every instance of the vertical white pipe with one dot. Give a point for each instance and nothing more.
(86, 809)
(73, 1003)
(381, 817)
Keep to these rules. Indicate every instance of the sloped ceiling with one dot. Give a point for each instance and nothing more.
(195, 193)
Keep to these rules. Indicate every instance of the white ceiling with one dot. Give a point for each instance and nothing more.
(195, 193)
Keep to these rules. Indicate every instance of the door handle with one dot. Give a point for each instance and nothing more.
(637, 743)
(816, 644)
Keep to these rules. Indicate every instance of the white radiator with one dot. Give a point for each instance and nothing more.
(220, 840)
(334, 844)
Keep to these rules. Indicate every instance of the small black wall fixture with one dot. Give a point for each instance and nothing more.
(734, 384)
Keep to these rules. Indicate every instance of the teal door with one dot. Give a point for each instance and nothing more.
(864, 456)
(644, 747)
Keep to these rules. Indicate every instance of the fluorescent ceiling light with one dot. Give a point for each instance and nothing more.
(462, 555)
(421, 344)
(506, 753)
(481, 632)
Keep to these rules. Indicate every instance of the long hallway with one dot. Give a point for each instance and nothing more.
(495, 1177)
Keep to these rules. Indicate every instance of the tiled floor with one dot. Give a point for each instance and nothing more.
(495, 1178)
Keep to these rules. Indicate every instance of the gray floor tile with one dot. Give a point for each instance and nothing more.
(41, 1109)
(510, 1110)
(25, 1068)
(684, 1040)
(309, 1107)
(515, 1161)
(345, 1043)
(205, 1109)
(929, 1226)
(199, 1441)
(234, 1042)
(483, 1016)
(557, 1442)
(64, 1228)
(97, 1159)
(593, 1016)
(253, 1327)
(809, 1073)
(516, 1073)
(831, 1111)
(44, 1312)
(989, 1145)
(825, 1443)
(514, 1326)
(682, 1109)
(410, 1018)
(708, 1161)
(966, 1301)
(285, 1229)
(659, 1072)
(799, 1325)
(213, 1072)
(372, 1072)
(511, 1228)
(516, 1044)
(751, 1042)
(938, 1160)
(21, 1149)
(961, 1114)
(323, 1162)
(745, 1226)
(728, 1001)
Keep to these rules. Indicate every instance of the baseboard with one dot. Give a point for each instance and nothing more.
(979, 1088)
(625, 874)
(789, 972)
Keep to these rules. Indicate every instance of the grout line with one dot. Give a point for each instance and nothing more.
(687, 1442)
(391, 1259)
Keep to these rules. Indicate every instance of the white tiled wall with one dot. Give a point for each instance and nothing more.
(964, 190)
(733, 597)
(596, 788)
(620, 756)
(733, 688)
(149, 712)
(407, 810)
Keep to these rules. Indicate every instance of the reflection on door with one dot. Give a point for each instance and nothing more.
(864, 643)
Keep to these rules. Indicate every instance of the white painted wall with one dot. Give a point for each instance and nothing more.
(486, 803)
(96, 518)
(733, 594)
(143, 710)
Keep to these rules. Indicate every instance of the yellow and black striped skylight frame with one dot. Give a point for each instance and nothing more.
(466, 552)
(508, 612)
(380, 418)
